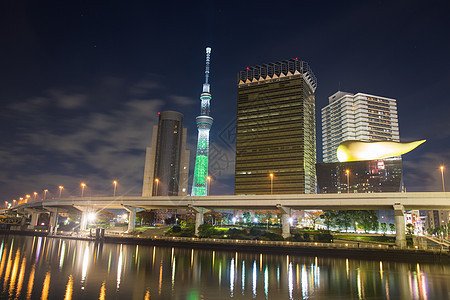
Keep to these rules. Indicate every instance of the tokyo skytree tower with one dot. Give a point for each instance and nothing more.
(204, 123)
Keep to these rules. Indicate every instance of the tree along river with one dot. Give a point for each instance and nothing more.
(54, 268)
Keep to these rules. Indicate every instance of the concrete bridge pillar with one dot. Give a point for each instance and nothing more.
(199, 211)
(286, 225)
(85, 211)
(132, 217)
(34, 217)
(400, 232)
(53, 219)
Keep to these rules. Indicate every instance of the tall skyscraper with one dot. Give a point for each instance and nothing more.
(358, 116)
(166, 168)
(276, 129)
(204, 123)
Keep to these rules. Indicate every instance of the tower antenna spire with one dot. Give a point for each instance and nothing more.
(208, 58)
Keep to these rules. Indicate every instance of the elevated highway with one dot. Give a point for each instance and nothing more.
(399, 202)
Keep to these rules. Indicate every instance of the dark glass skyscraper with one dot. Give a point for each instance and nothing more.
(167, 161)
(276, 129)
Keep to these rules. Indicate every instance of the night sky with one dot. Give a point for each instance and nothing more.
(82, 81)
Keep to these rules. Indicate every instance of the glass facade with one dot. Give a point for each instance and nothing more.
(370, 176)
(276, 130)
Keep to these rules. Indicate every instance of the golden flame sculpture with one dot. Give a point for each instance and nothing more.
(357, 150)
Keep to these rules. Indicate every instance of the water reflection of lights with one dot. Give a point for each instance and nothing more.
(359, 284)
(84, 266)
(290, 281)
(147, 295)
(38, 248)
(243, 278)
(119, 268)
(254, 279)
(260, 262)
(102, 291)
(173, 274)
(8, 270)
(418, 284)
(153, 258)
(46, 286)
(63, 254)
(304, 283)
(15, 269)
(346, 266)
(69, 289)
(213, 259)
(2, 265)
(21, 277)
(266, 282)
(232, 277)
(381, 270)
(160, 278)
(31, 281)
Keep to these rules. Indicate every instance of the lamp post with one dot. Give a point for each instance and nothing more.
(60, 191)
(347, 173)
(26, 198)
(157, 185)
(271, 183)
(14, 202)
(115, 187)
(442, 175)
(45, 194)
(209, 183)
(83, 185)
(34, 196)
(6, 204)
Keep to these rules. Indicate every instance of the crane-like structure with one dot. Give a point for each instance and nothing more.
(204, 123)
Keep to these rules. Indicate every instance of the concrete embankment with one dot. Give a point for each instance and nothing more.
(344, 250)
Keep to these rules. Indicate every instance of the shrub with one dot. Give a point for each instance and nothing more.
(270, 236)
(256, 232)
(206, 230)
(176, 229)
(324, 238)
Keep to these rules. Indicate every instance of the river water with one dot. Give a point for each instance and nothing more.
(53, 268)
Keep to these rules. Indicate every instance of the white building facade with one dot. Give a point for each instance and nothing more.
(360, 117)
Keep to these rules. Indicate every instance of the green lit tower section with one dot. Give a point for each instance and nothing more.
(204, 123)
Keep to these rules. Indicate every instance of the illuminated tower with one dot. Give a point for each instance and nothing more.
(204, 123)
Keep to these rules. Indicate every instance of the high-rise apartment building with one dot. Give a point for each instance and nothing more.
(358, 116)
(166, 168)
(276, 129)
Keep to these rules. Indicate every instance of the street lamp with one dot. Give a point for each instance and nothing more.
(27, 197)
(209, 183)
(6, 204)
(347, 173)
(45, 193)
(442, 174)
(83, 185)
(271, 183)
(60, 191)
(34, 194)
(14, 202)
(157, 185)
(115, 187)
